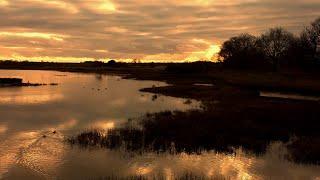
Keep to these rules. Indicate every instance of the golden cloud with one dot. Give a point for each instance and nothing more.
(49, 36)
(4, 3)
(157, 30)
(100, 6)
(60, 5)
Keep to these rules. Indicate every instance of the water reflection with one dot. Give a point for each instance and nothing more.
(43, 156)
(289, 96)
(71, 123)
(30, 115)
(31, 153)
(3, 128)
(32, 134)
(30, 99)
(11, 147)
(103, 124)
(50, 158)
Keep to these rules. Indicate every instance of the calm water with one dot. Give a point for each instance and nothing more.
(85, 101)
(289, 96)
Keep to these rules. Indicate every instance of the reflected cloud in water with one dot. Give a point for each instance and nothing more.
(3, 128)
(11, 147)
(103, 124)
(68, 124)
(29, 148)
(40, 155)
(35, 120)
(30, 99)
(240, 165)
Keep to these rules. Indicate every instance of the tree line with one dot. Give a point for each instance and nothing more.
(275, 49)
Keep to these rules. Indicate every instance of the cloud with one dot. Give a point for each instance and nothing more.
(98, 6)
(55, 37)
(125, 29)
(58, 4)
(4, 3)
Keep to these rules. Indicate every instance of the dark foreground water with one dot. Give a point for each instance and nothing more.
(30, 150)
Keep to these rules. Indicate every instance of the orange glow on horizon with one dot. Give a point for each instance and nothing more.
(209, 54)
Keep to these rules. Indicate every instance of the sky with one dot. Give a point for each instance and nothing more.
(148, 30)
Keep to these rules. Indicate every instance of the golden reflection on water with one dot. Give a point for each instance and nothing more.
(3, 128)
(49, 157)
(236, 165)
(44, 156)
(30, 99)
(168, 174)
(11, 147)
(240, 165)
(105, 125)
(37, 152)
(119, 102)
(67, 124)
(141, 171)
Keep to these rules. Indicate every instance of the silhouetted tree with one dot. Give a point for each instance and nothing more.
(277, 47)
(187, 68)
(241, 51)
(294, 56)
(308, 43)
(94, 63)
(112, 62)
(275, 44)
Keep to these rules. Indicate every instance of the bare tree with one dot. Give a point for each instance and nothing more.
(275, 44)
(309, 38)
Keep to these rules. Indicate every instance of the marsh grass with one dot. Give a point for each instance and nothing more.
(195, 131)
(305, 150)
(183, 176)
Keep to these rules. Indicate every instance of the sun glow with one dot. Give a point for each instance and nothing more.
(107, 5)
(204, 2)
(212, 52)
(4, 3)
(100, 6)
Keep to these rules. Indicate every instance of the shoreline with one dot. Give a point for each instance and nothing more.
(290, 81)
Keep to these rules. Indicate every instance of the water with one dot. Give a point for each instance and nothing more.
(289, 96)
(203, 84)
(85, 101)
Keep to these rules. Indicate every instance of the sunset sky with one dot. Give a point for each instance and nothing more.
(150, 30)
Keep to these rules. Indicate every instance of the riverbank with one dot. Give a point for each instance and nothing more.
(290, 80)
